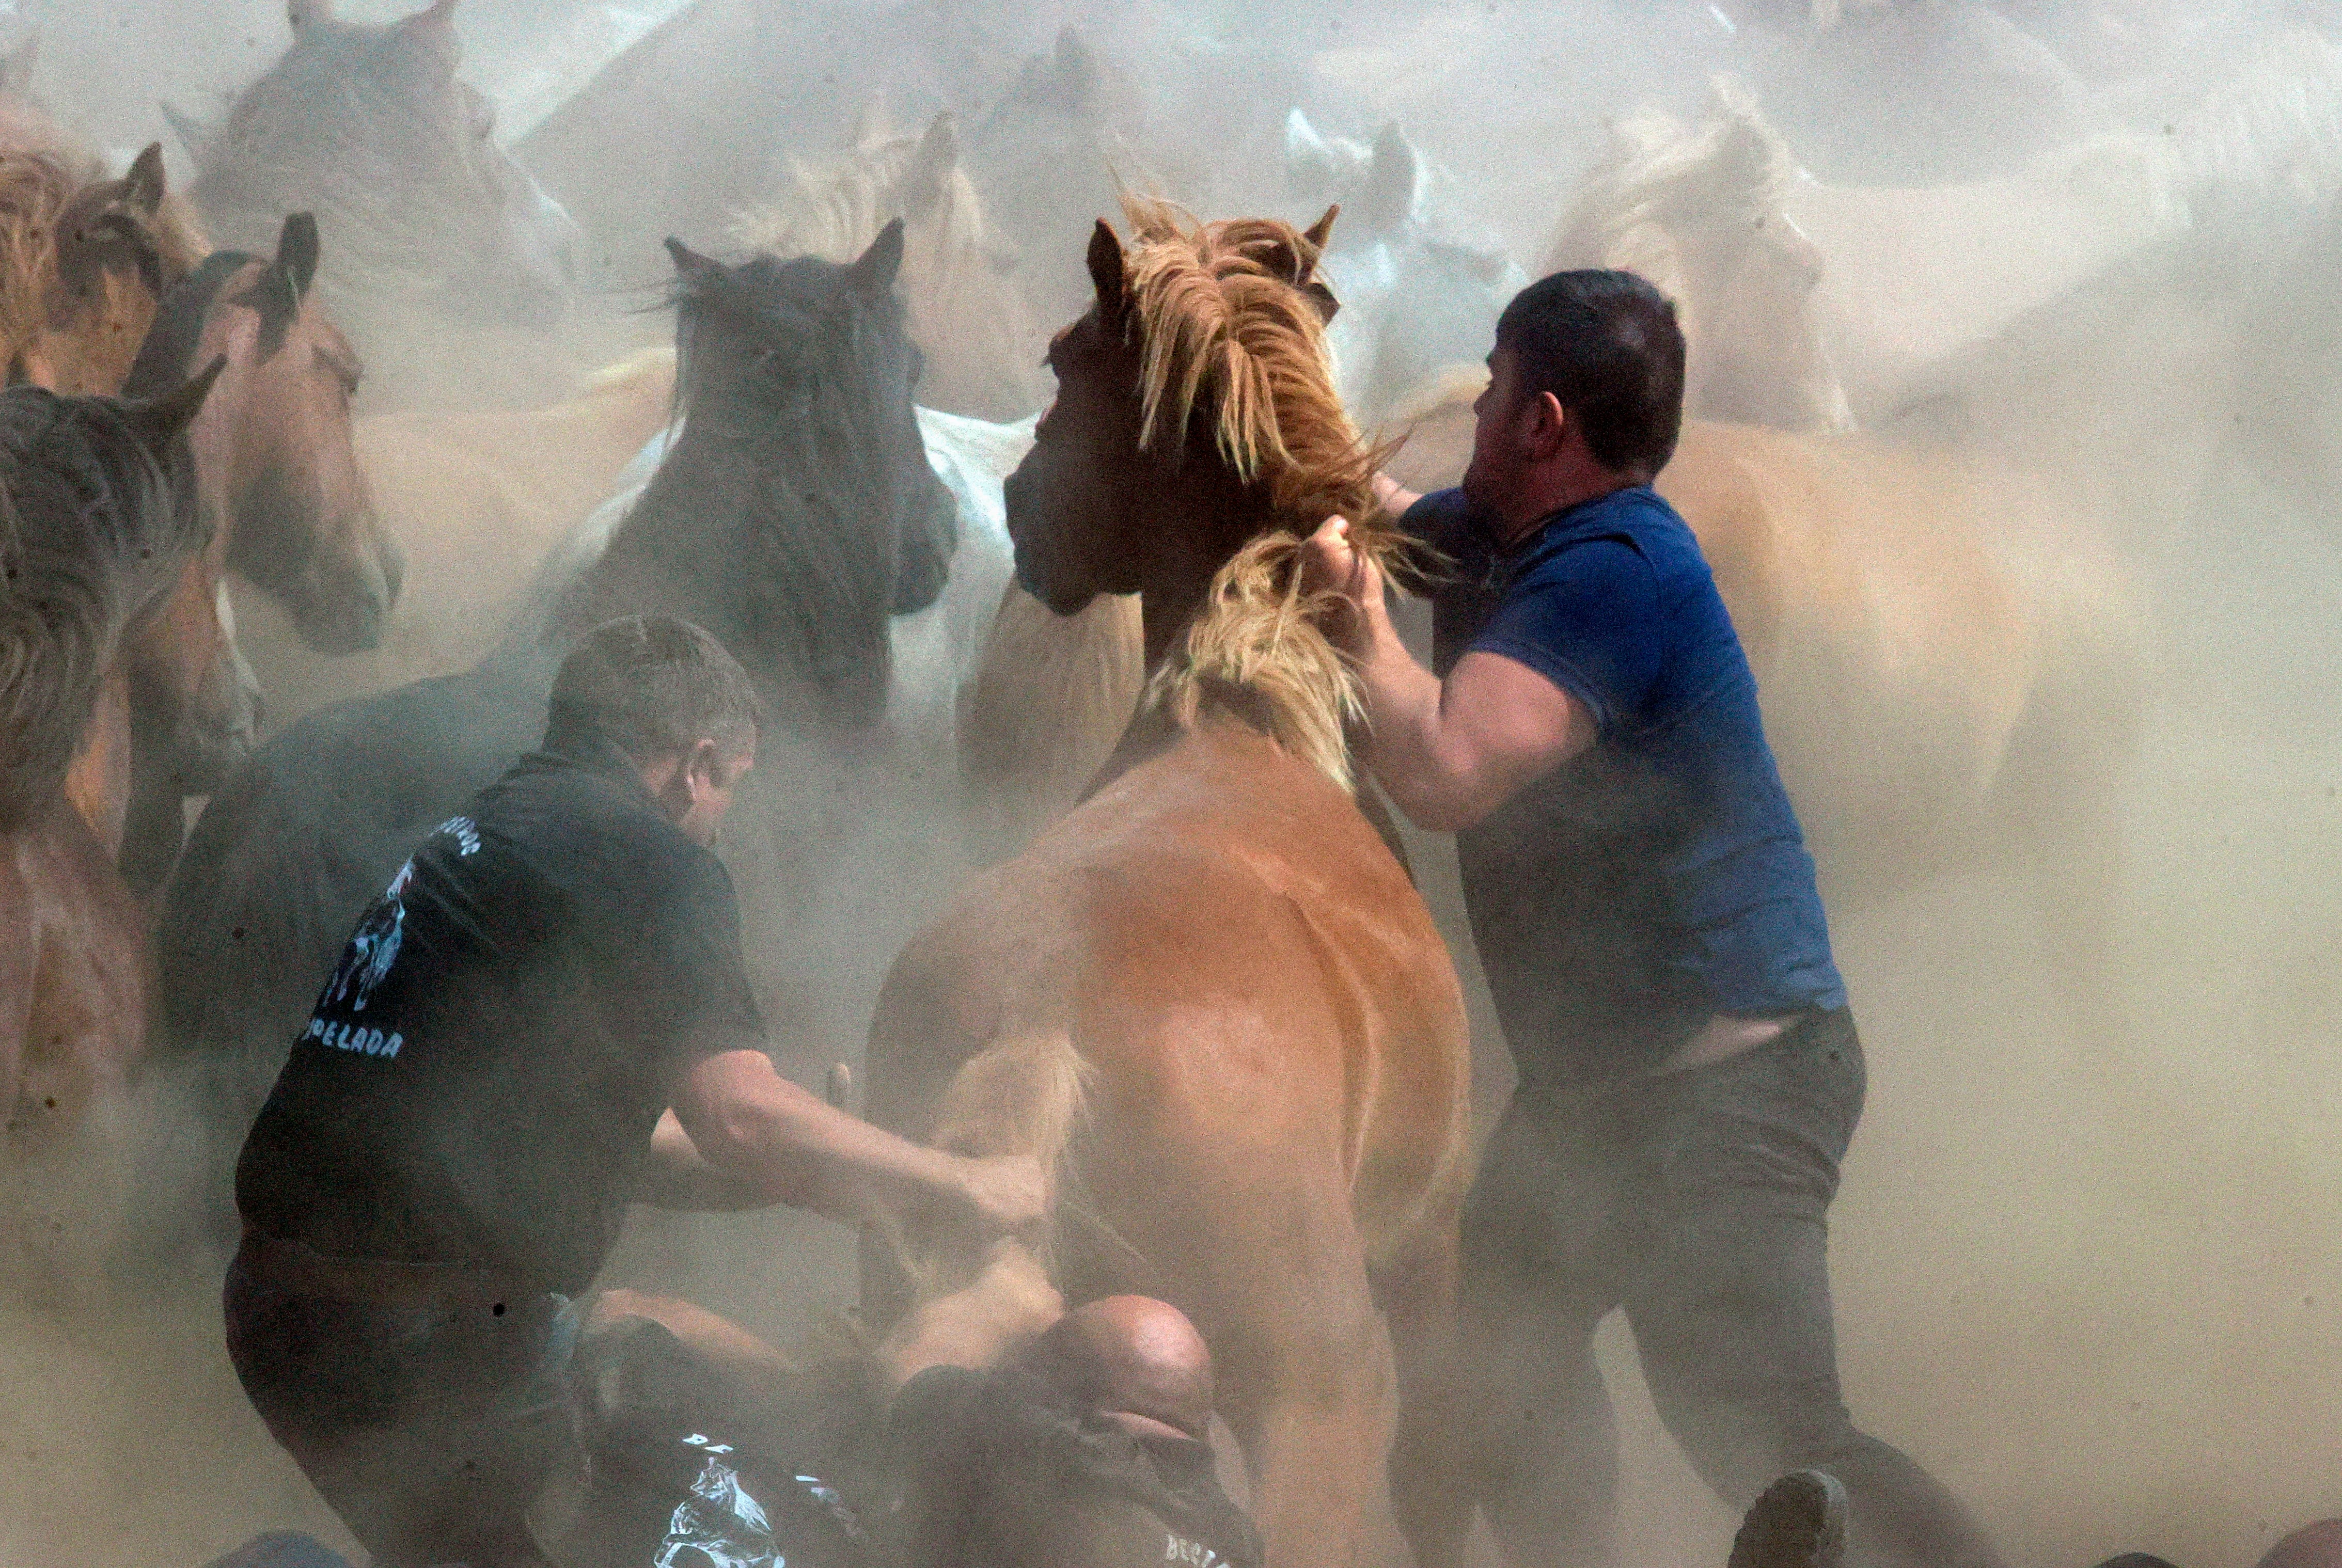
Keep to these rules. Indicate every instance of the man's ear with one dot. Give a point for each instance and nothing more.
(705, 764)
(1552, 428)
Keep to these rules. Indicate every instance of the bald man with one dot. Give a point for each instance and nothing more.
(1090, 1450)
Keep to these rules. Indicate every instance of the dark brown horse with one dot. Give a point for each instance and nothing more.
(99, 516)
(1210, 998)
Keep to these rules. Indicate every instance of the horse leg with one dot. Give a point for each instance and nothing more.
(1307, 1380)
(1429, 1490)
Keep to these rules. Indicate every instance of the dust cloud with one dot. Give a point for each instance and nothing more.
(2085, 1254)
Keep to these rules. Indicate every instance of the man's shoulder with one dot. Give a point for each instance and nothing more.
(570, 823)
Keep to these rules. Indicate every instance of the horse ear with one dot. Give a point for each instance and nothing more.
(434, 28)
(1318, 233)
(1393, 182)
(16, 69)
(939, 148)
(296, 252)
(873, 272)
(305, 13)
(1079, 68)
(1105, 271)
(161, 422)
(143, 187)
(689, 262)
(192, 134)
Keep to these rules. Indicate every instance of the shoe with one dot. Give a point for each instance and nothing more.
(1799, 1521)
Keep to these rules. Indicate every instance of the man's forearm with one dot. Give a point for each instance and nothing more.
(1403, 701)
(795, 1148)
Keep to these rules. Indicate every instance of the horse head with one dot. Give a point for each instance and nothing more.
(1417, 295)
(796, 512)
(1702, 214)
(1194, 411)
(966, 310)
(372, 129)
(273, 446)
(1053, 151)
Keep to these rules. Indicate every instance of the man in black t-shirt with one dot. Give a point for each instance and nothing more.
(543, 1018)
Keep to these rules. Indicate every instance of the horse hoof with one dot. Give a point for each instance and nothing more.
(1799, 1521)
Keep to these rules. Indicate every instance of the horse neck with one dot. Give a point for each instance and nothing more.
(97, 782)
(1201, 526)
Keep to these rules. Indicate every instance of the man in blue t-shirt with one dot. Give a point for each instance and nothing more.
(1645, 908)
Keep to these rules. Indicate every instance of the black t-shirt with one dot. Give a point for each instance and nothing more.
(481, 1075)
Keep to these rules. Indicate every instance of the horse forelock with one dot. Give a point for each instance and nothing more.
(1227, 330)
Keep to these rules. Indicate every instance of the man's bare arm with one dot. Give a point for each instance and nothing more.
(755, 1138)
(1446, 753)
(677, 1177)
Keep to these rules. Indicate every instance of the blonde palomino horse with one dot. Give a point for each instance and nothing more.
(1209, 1000)
(983, 348)
(1950, 661)
(1699, 213)
(475, 501)
(97, 514)
(1881, 289)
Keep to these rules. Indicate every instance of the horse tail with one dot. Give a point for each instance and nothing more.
(1026, 1093)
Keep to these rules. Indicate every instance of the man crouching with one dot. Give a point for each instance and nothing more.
(542, 1018)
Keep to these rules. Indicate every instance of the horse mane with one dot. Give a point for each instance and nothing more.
(35, 188)
(92, 534)
(45, 194)
(1228, 317)
(1658, 176)
(1231, 331)
(834, 207)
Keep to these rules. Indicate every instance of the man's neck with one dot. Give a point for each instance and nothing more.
(1521, 521)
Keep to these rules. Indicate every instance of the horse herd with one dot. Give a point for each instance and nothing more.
(1195, 980)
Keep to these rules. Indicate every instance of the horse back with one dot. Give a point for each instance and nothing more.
(1254, 991)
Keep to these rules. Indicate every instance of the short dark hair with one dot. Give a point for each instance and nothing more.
(655, 686)
(1607, 346)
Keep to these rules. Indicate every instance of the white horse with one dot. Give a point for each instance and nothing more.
(1883, 288)
(1416, 294)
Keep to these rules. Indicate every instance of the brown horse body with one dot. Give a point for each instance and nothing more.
(1210, 997)
(102, 517)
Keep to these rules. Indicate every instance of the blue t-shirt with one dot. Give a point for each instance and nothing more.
(1660, 877)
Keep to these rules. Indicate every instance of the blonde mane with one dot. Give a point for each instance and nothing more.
(79, 342)
(1229, 324)
(964, 308)
(834, 207)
